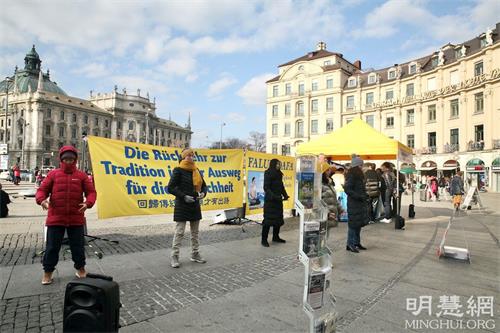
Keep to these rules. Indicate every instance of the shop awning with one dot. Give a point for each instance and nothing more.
(495, 165)
(426, 168)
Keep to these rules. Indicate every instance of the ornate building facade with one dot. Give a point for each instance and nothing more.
(41, 118)
(446, 106)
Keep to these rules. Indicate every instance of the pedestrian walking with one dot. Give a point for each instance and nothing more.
(329, 195)
(189, 188)
(4, 201)
(62, 193)
(373, 190)
(274, 196)
(457, 189)
(357, 209)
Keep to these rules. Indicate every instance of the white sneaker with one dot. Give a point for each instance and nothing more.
(384, 220)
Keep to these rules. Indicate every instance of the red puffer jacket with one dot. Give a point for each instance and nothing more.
(66, 187)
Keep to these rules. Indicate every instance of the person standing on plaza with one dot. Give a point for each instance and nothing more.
(389, 184)
(329, 195)
(373, 190)
(189, 188)
(357, 208)
(4, 201)
(457, 189)
(274, 196)
(338, 180)
(62, 193)
(17, 174)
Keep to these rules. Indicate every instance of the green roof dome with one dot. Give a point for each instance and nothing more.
(29, 76)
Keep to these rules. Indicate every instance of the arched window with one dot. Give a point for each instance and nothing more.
(131, 125)
(299, 129)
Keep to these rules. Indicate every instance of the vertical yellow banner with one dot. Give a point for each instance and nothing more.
(132, 178)
(256, 164)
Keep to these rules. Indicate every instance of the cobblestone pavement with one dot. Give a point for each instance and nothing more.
(21, 249)
(147, 298)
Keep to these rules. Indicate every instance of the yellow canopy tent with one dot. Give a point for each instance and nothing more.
(360, 138)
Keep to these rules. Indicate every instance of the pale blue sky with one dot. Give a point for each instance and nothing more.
(212, 58)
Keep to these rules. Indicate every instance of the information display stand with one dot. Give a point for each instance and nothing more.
(314, 253)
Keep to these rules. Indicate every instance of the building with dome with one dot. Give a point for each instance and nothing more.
(446, 105)
(41, 117)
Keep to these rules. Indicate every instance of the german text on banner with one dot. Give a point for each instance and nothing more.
(256, 164)
(132, 178)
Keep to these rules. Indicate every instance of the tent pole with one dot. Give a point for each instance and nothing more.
(397, 185)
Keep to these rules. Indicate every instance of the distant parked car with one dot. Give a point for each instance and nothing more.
(5, 175)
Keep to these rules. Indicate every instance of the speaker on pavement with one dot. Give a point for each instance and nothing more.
(92, 304)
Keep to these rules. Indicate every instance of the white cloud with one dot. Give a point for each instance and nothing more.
(486, 12)
(254, 91)
(191, 78)
(179, 65)
(387, 19)
(93, 70)
(216, 88)
(8, 63)
(132, 83)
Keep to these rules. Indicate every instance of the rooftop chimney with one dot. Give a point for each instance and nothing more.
(321, 46)
(357, 64)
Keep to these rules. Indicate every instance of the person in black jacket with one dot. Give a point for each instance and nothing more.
(188, 186)
(357, 208)
(373, 190)
(4, 201)
(275, 193)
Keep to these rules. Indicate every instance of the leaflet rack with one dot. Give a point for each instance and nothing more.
(314, 253)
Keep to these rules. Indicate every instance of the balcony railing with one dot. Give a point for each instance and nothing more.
(451, 148)
(496, 144)
(475, 146)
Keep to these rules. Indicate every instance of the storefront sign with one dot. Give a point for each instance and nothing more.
(472, 82)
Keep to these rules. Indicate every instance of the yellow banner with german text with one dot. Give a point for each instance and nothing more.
(256, 164)
(132, 178)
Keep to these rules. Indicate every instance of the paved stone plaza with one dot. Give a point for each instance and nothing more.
(247, 288)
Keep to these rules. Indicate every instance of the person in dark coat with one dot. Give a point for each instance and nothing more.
(189, 188)
(357, 208)
(389, 181)
(4, 201)
(275, 193)
(373, 190)
(62, 193)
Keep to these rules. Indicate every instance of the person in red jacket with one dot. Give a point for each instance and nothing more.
(62, 193)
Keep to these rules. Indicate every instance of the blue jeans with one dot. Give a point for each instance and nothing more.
(387, 204)
(353, 236)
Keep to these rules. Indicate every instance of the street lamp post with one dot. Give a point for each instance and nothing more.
(220, 142)
(25, 124)
(147, 126)
(84, 139)
(7, 81)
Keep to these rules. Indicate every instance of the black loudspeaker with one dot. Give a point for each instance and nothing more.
(92, 304)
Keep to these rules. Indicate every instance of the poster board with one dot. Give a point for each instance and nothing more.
(256, 164)
(132, 178)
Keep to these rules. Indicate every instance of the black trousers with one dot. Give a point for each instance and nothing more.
(55, 235)
(265, 232)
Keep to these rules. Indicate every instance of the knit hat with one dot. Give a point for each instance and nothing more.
(356, 161)
(68, 154)
(186, 152)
